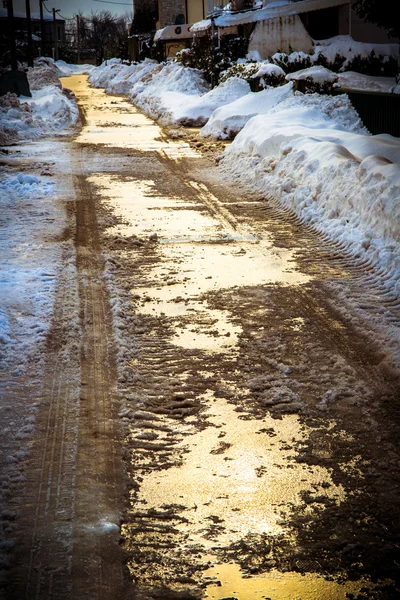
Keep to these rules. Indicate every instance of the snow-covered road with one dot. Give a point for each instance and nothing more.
(234, 369)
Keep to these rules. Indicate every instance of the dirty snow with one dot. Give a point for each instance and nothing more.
(32, 258)
(50, 110)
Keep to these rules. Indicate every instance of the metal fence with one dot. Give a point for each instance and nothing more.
(380, 112)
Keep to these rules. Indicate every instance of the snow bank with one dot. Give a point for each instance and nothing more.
(27, 265)
(195, 111)
(228, 120)
(50, 110)
(118, 78)
(42, 75)
(168, 91)
(312, 154)
(67, 69)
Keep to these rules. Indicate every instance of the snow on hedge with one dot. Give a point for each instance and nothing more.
(312, 154)
(344, 45)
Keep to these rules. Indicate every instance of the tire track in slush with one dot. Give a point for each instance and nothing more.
(97, 562)
(68, 529)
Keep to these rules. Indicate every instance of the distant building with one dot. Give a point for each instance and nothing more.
(269, 25)
(21, 27)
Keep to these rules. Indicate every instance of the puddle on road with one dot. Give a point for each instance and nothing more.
(112, 121)
(190, 270)
(274, 585)
(237, 474)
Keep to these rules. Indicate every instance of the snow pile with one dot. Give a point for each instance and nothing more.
(66, 69)
(120, 78)
(28, 265)
(117, 77)
(49, 111)
(44, 74)
(228, 120)
(168, 91)
(196, 110)
(312, 154)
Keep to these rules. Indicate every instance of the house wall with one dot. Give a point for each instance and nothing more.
(367, 32)
(196, 10)
(168, 10)
(283, 34)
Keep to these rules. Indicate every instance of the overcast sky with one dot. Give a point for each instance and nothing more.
(68, 8)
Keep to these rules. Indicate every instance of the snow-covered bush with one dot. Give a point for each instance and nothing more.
(342, 53)
(244, 70)
(291, 62)
(314, 80)
(213, 61)
(259, 74)
(373, 64)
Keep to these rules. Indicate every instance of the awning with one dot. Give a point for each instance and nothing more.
(274, 10)
(200, 26)
(173, 32)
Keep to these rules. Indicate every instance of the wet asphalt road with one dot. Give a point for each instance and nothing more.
(230, 409)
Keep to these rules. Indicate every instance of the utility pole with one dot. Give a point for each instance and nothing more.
(42, 48)
(78, 39)
(55, 34)
(29, 32)
(13, 47)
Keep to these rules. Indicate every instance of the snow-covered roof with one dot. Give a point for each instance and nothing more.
(173, 32)
(19, 14)
(200, 25)
(280, 8)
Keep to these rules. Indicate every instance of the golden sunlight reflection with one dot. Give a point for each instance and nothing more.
(113, 121)
(275, 585)
(236, 471)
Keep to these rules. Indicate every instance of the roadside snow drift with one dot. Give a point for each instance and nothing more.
(313, 155)
(170, 93)
(229, 119)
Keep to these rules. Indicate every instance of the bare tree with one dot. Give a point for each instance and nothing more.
(102, 34)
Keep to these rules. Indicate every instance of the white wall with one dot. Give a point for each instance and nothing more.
(282, 34)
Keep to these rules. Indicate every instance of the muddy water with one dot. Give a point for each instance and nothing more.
(201, 459)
